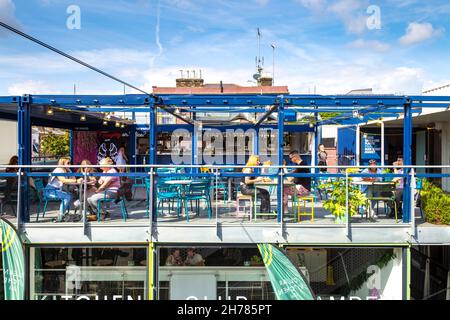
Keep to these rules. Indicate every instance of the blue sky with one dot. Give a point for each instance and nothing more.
(321, 45)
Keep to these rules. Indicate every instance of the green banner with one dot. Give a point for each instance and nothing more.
(287, 281)
(13, 263)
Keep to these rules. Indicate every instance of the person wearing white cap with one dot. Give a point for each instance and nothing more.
(109, 185)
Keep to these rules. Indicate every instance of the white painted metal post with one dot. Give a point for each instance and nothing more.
(347, 219)
(358, 144)
(382, 143)
(447, 296)
(412, 213)
(426, 283)
(19, 199)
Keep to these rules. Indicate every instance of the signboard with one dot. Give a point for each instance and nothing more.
(13, 263)
(287, 281)
(185, 286)
(371, 147)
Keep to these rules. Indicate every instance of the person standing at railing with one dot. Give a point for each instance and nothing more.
(54, 188)
(247, 184)
(121, 159)
(322, 158)
(109, 185)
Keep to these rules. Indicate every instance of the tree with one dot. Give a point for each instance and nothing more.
(56, 144)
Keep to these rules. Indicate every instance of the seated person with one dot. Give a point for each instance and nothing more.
(174, 259)
(193, 258)
(370, 193)
(90, 183)
(109, 186)
(302, 184)
(54, 188)
(247, 184)
(11, 182)
(399, 189)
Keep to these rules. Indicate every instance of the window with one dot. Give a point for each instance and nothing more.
(88, 273)
(225, 274)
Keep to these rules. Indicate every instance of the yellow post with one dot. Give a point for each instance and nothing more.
(150, 265)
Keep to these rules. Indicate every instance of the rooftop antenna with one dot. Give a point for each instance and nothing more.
(258, 60)
(181, 72)
(187, 73)
(273, 63)
(193, 73)
(200, 73)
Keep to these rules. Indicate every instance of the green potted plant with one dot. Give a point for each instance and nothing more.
(256, 261)
(337, 202)
(435, 204)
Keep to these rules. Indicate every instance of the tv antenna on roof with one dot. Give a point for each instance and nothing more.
(259, 59)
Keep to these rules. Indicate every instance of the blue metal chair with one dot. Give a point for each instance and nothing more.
(164, 193)
(138, 183)
(419, 187)
(123, 208)
(198, 191)
(222, 184)
(43, 194)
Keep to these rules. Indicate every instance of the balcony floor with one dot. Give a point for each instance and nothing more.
(226, 214)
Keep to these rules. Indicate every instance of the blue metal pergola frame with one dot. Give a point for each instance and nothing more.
(351, 109)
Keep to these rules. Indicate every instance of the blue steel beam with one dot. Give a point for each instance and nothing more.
(280, 156)
(217, 100)
(407, 158)
(223, 128)
(339, 100)
(90, 100)
(152, 133)
(24, 154)
(12, 100)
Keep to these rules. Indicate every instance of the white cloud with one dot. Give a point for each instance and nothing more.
(262, 2)
(195, 29)
(419, 32)
(8, 14)
(372, 45)
(352, 13)
(182, 4)
(29, 87)
(315, 5)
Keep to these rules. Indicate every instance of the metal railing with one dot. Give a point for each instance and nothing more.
(216, 175)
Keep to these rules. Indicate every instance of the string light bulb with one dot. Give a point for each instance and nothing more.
(83, 118)
(50, 111)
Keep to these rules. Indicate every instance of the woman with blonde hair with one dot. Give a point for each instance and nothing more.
(109, 185)
(90, 183)
(54, 188)
(247, 184)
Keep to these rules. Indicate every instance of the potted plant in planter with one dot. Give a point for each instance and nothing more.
(256, 261)
(336, 202)
(435, 204)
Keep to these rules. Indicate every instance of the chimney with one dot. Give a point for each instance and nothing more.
(189, 82)
(265, 81)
